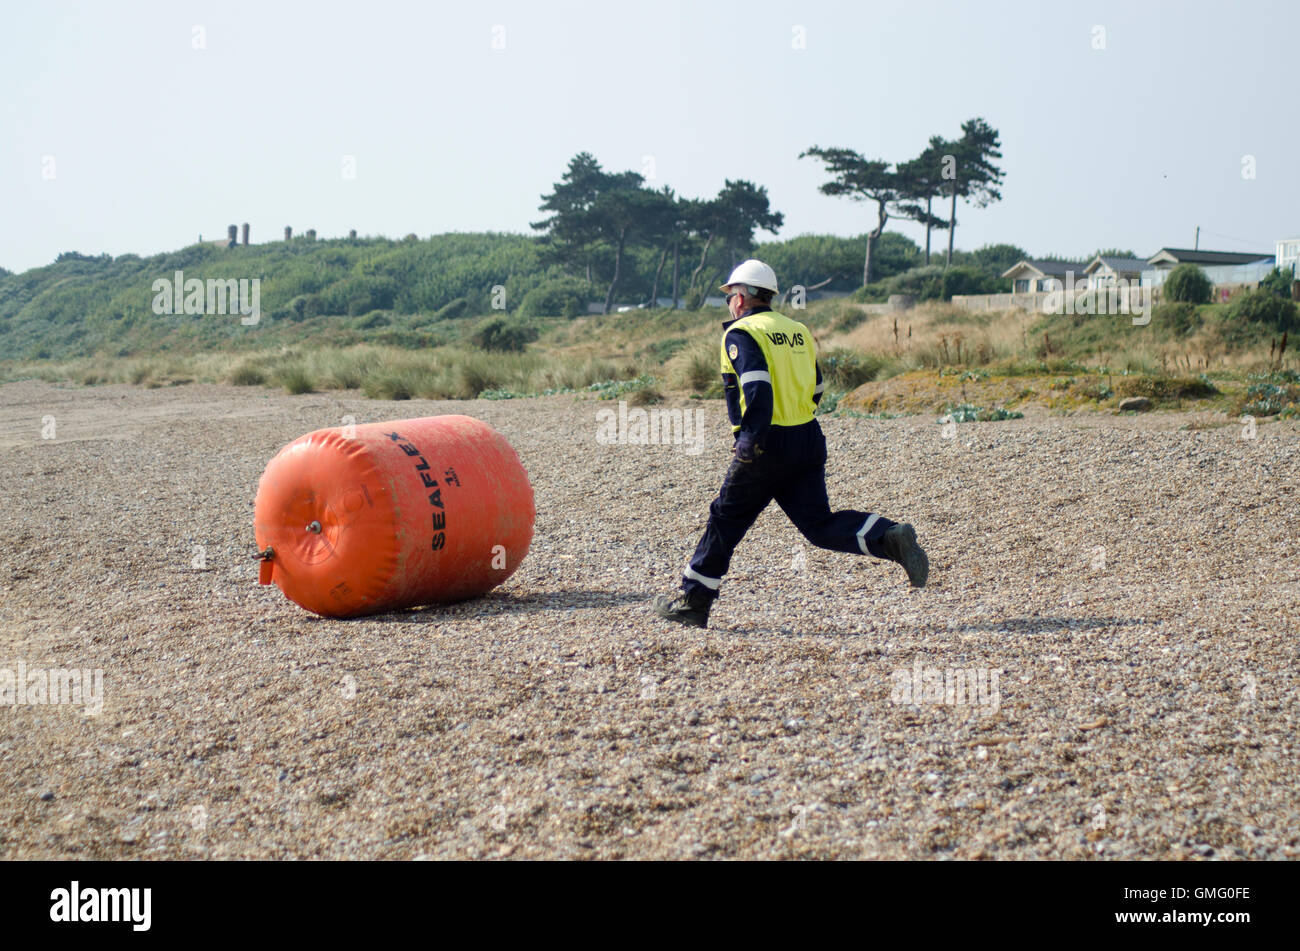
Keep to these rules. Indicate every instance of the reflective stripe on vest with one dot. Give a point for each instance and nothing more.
(791, 356)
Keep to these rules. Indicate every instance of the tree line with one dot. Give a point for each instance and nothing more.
(594, 217)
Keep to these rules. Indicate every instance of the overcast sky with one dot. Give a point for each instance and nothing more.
(134, 127)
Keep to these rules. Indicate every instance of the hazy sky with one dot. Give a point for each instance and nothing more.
(120, 135)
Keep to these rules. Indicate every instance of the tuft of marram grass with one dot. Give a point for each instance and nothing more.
(701, 370)
(296, 381)
(645, 396)
(247, 374)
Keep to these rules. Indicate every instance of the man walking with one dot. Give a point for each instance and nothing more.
(773, 383)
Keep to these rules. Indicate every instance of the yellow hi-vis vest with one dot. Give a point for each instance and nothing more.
(791, 356)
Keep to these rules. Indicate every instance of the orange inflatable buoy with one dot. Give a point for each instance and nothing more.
(360, 519)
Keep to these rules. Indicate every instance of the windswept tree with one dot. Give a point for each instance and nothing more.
(922, 181)
(572, 234)
(863, 179)
(596, 218)
(745, 209)
(971, 171)
(730, 219)
(683, 216)
(663, 228)
(594, 212)
(621, 213)
(705, 221)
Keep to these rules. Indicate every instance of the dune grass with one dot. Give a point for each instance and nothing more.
(677, 351)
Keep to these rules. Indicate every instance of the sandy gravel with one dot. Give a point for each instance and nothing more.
(1136, 584)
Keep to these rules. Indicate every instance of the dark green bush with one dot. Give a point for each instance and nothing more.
(559, 298)
(923, 283)
(502, 335)
(1181, 317)
(1277, 283)
(1166, 388)
(1264, 308)
(968, 280)
(452, 309)
(1187, 282)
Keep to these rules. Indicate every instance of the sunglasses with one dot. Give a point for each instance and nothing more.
(731, 295)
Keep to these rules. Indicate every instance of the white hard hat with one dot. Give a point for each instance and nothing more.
(755, 274)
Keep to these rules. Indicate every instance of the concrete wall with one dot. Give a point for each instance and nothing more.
(1035, 301)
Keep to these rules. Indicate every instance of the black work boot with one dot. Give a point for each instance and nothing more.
(900, 545)
(692, 609)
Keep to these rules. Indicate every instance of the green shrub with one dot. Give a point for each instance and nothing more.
(644, 396)
(503, 336)
(1265, 309)
(969, 413)
(1278, 283)
(1166, 388)
(967, 280)
(453, 309)
(1094, 391)
(566, 297)
(617, 389)
(923, 283)
(829, 402)
(1187, 282)
(1265, 397)
(1181, 317)
(810, 259)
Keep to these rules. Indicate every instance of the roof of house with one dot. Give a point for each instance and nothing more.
(1118, 265)
(1190, 256)
(1045, 268)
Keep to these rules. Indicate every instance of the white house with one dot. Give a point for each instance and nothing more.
(1288, 257)
(1108, 271)
(1221, 267)
(1031, 275)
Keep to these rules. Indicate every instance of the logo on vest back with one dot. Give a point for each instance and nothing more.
(781, 337)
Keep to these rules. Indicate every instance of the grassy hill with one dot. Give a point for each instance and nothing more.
(415, 318)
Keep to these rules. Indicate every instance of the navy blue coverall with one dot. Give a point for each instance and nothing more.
(790, 469)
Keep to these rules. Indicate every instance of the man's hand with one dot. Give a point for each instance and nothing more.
(746, 449)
